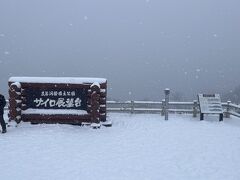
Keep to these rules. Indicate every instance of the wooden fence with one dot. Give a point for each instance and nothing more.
(159, 107)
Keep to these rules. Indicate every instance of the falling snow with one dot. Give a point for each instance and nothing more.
(6, 52)
(85, 18)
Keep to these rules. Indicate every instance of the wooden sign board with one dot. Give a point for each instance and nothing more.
(210, 104)
(57, 100)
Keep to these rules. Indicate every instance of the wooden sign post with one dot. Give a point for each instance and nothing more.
(210, 104)
(167, 93)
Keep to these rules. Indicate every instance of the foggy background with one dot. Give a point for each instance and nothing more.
(140, 46)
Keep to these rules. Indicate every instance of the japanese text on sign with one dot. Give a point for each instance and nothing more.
(58, 93)
(57, 98)
(60, 102)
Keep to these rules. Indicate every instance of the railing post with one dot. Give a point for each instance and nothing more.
(163, 107)
(167, 93)
(195, 104)
(227, 114)
(132, 107)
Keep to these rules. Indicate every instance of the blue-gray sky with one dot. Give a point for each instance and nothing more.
(140, 46)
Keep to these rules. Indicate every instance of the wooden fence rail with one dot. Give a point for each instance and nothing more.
(159, 107)
(174, 107)
(152, 107)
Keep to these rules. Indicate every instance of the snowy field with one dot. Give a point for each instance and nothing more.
(137, 147)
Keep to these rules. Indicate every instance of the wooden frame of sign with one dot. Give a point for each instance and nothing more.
(57, 100)
(210, 104)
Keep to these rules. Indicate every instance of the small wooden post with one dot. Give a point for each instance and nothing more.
(167, 93)
(132, 107)
(195, 108)
(163, 107)
(221, 117)
(227, 114)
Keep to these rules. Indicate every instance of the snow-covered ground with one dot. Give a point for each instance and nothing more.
(138, 146)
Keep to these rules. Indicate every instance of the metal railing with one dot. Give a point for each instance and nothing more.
(159, 107)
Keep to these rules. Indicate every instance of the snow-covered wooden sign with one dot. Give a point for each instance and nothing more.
(210, 104)
(57, 100)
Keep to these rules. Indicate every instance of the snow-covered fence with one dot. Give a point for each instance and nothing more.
(158, 107)
(152, 107)
(231, 109)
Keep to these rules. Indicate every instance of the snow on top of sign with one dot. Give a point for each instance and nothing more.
(17, 84)
(68, 80)
(95, 84)
(54, 111)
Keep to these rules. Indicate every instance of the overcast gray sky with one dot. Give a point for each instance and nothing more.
(140, 46)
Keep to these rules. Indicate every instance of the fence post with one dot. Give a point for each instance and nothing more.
(163, 107)
(227, 114)
(132, 107)
(167, 92)
(195, 104)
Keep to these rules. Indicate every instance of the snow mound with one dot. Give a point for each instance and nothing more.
(135, 147)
